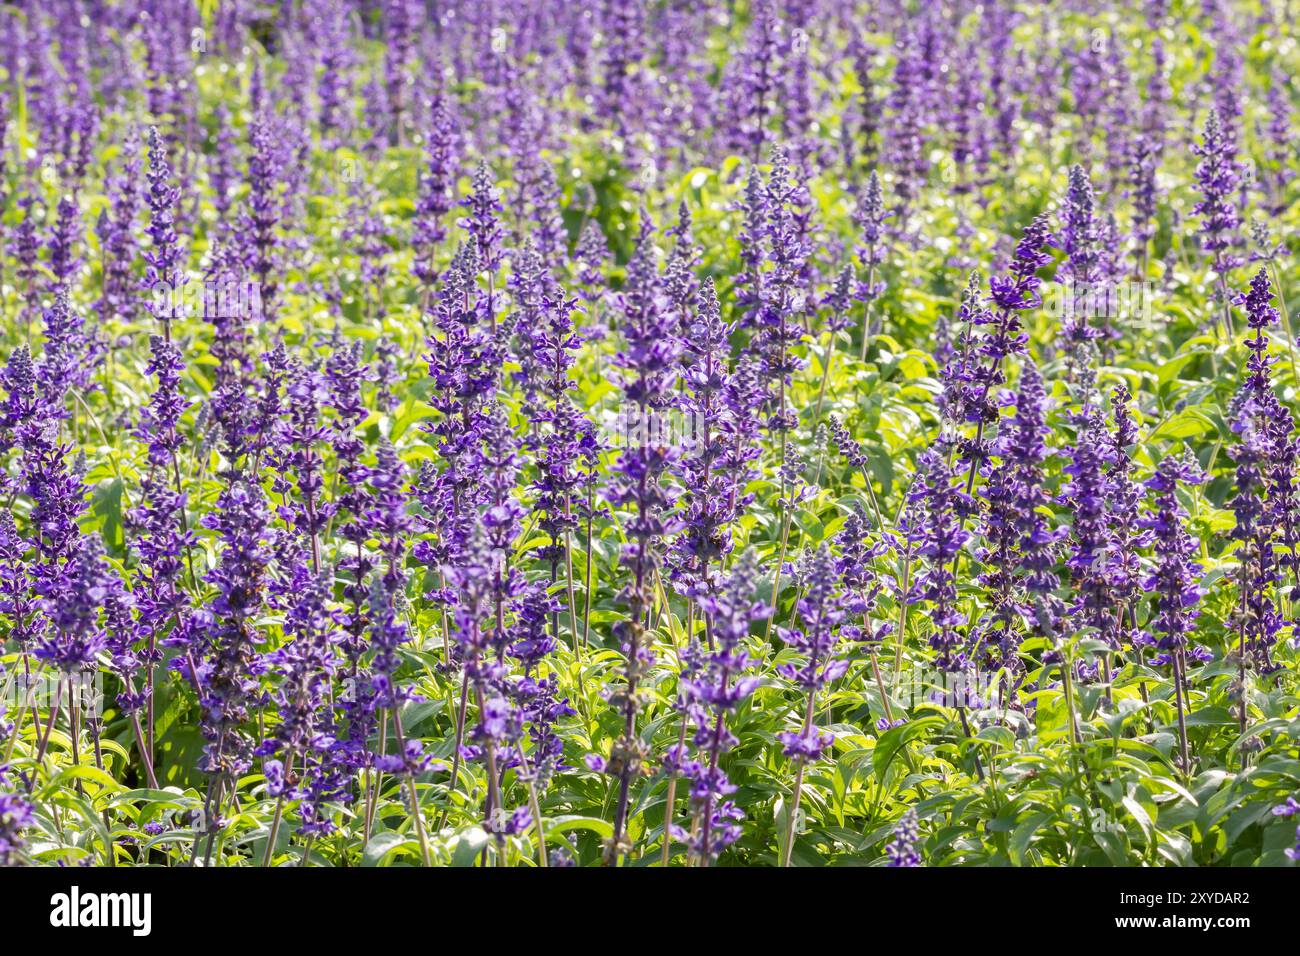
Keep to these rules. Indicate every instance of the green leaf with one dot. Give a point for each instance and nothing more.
(1024, 835)
(93, 774)
(107, 509)
(1140, 815)
(384, 845)
(892, 741)
(469, 844)
(566, 824)
(1189, 423)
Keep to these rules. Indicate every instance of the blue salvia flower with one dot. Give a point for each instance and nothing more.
(1085, 492)
(64, 238)
(648, 362)
(389, 522)
(484, 227)
(1260, 317)
(344, 374)
(72, 601)
(66, 361)
(869, 216)
(705, 508)
(15, 814)
(554, 342)
(906, 147)
(303, 740)
(116, 231)
(224, 663)
(165, 255)
(1081, 238)
(778, 330)
(333, 88)
(750, 283)
(1175, 580)
(1024, 443)
(589, 258)
(715, 688)
(1020, 555)
(535, 694)
(1264, 464)
(753, 82)
(821, 612)
(295, 456)
(164, 538)
(1280, 136)
(20, 607)
(1257, 617)
(997, 334)
(1288, 809)
(938, 536)
(437, 187)
(475, 574)
(260, 239)
(862, 584)
(1217, 178)
(902, 849)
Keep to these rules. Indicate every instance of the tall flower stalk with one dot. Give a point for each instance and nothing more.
(647, 361)
(1174, 582)
(1217, 178)
(820, 612)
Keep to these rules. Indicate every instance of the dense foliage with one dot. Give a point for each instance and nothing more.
(648, 432)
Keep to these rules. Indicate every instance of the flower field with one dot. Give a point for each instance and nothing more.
(649, 433)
